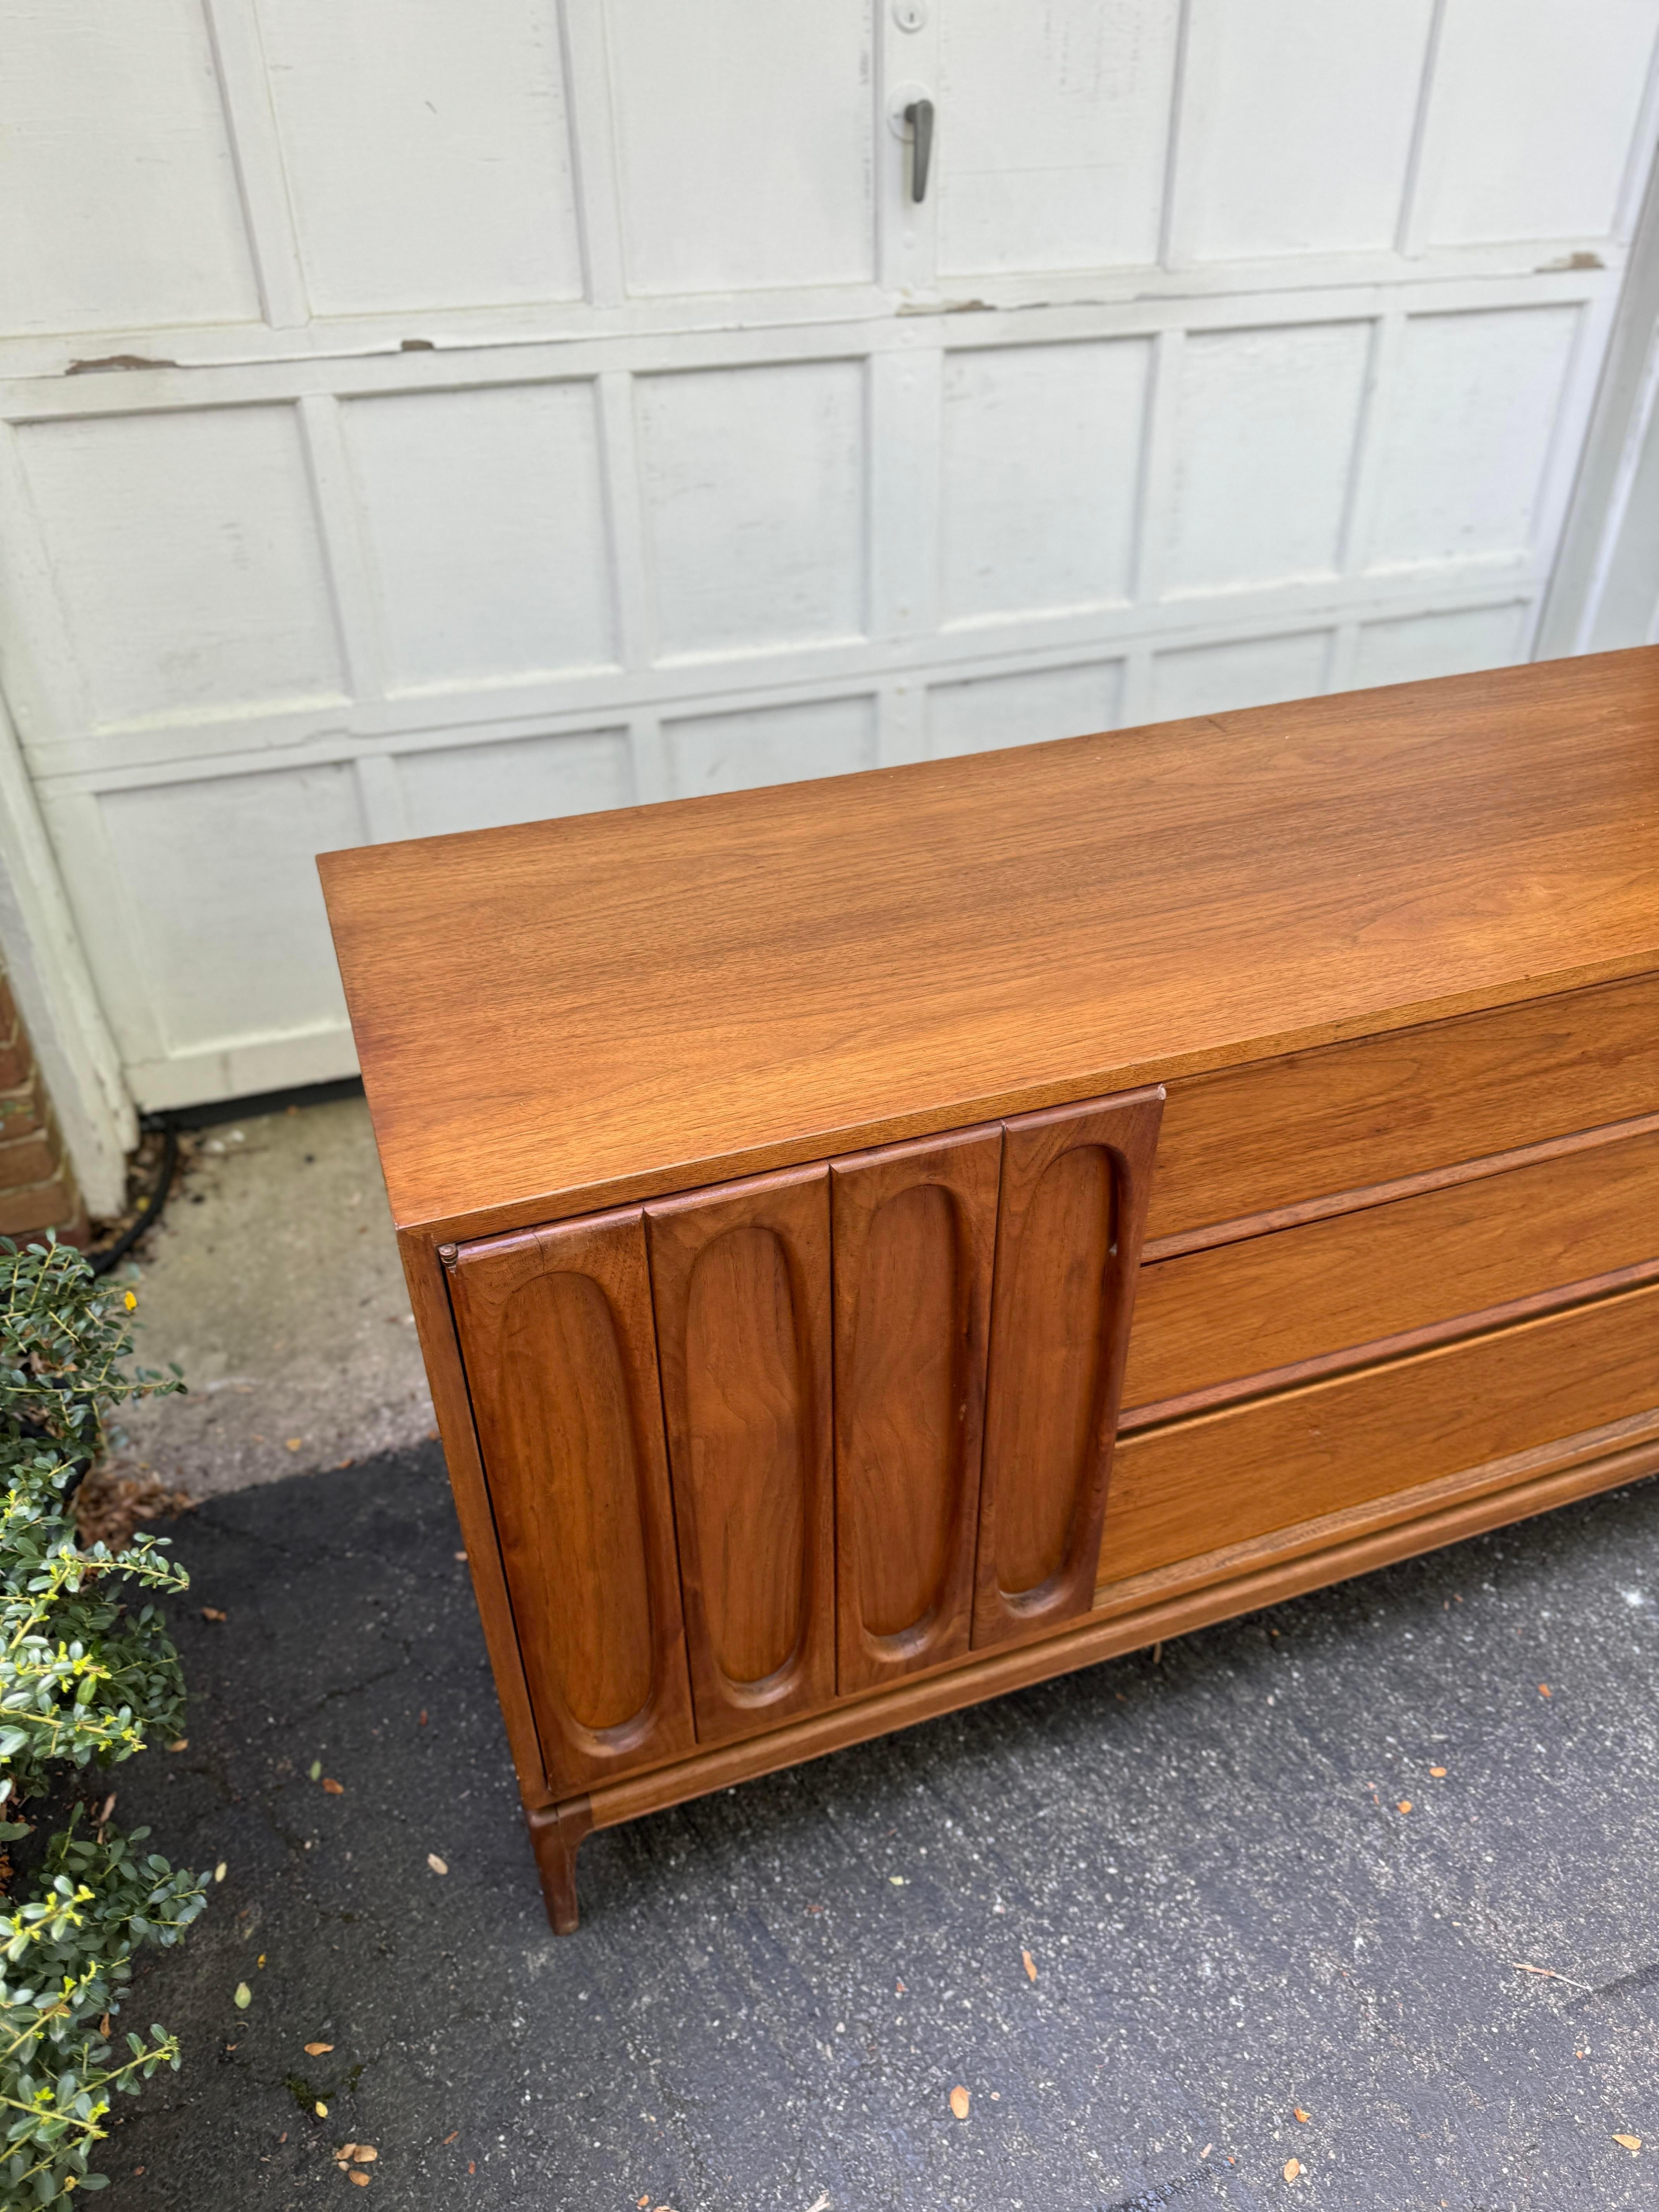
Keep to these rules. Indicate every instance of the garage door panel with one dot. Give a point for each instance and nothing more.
(1022, 708)
(1054, 132)
(222, 913)
(427, 150)
(1041, 458)
(486, 521)
(484, 786)
(1216, 679)
(754, 489)
(118, 206)
(1529, 127)
(1476, 402)
(1456, 643)
(187, 559)
(783, 743)
(1260, 410)
(1284, 91)
(745, 142)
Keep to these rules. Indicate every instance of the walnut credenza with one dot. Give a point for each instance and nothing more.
(879, 1242)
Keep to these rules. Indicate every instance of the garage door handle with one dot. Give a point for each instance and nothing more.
(919, 116)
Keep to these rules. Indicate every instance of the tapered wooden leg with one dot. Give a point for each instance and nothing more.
(556, 1831)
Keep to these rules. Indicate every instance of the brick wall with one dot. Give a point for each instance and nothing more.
(37, 1185)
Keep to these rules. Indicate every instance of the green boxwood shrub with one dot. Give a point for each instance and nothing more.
(87, 1676)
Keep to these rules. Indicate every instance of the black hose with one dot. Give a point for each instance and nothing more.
(101, 1262)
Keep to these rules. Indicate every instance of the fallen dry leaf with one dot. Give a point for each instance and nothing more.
(293, 1443)
(1543, 1689)
(1030, 1965)
(423, 1715)
(183, 1744)
(1405, 1804)
(453, 2132)
(365, 2154)
(461, 1555)
(360, 2178)
(114, 1499)
(334, 1789)
(959, 2101)
(343, 2156)
(1632, 2144)
(213, 1612)
(1292, 2167)
(642, 2203)
(1300, 2113)
(316, 2050)
(320, 2108)
(1548, 1973)
(1438, 1772)
(437, 1865)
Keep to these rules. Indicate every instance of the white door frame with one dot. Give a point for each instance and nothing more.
(1604, 590)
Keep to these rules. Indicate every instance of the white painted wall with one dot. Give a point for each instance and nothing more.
(416, 414)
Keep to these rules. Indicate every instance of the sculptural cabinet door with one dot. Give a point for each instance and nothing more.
(740, 1276)
(1076, 1182)
(754, 1448)
(555, 1329)
(915, 1240)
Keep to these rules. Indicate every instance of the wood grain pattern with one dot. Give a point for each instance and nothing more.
(554, 1326)
(1621, 1442)
(1224, 1478)
(1270, 1220)
(1251, 1138)
(740, 1277)
(882, 957)
(1070, 1222)
(435, 1322)
(1226, 1314)
(915, 1240)
(1104, 1637)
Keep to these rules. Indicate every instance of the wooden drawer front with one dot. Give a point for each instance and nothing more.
(1224, 1478)
(1234, 1311)
(914, 1238)
(554, 1327)
(1245, 1140)
(741, 1279)
(1073, 1206)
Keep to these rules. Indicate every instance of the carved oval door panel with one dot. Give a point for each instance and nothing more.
(914, 1238)
(1071, 1218)
(741, 1281)
(556, 1331)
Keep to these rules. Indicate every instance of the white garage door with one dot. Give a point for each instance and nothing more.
(421, 414)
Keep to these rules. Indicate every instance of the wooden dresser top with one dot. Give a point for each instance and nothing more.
(570, 1014)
